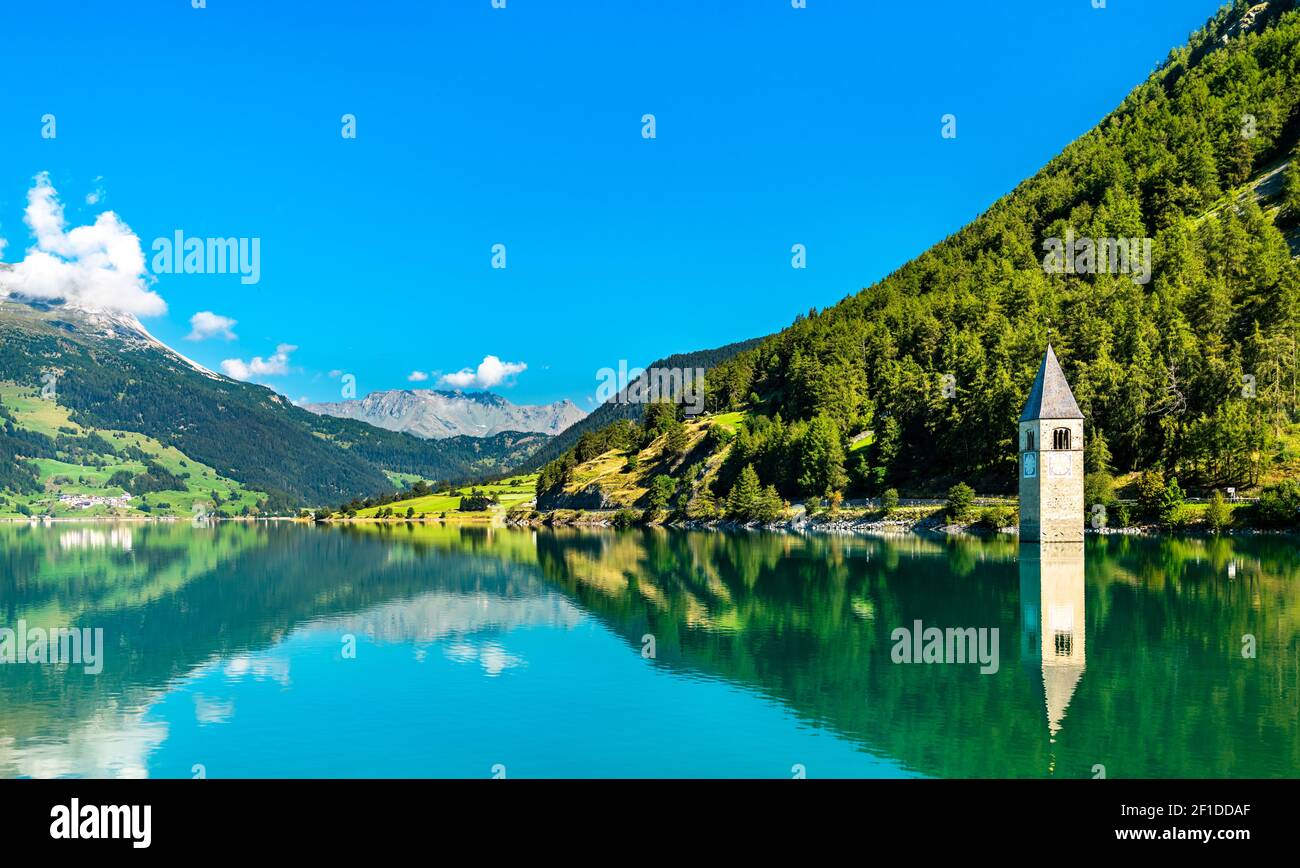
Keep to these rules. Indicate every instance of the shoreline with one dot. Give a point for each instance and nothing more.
(886, 527)
(829, 526)
(143, 519)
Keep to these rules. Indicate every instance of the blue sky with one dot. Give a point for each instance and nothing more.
(522, 126)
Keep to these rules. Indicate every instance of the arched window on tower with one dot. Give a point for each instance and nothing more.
(1029, 441)
(1061, 438)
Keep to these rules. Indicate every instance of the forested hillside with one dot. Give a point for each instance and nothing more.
(50, 465)
(1189, 367)
(1162, 370)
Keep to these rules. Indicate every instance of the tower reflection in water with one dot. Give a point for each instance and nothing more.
(1053, 632)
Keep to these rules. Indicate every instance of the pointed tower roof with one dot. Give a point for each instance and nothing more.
(1059, 683)
(1050, 398)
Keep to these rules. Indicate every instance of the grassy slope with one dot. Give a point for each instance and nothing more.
(612, 411)
(511, 491)
(627, 484)
(58, 477)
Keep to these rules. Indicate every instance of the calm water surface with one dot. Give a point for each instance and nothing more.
(254, 650)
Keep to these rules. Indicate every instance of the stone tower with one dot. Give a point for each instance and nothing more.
(1051, 459)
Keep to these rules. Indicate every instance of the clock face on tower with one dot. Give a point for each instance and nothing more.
(1031, 465)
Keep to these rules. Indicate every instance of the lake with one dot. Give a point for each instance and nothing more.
(284, 650)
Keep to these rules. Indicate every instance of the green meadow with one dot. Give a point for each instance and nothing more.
(509, 492)
(205, 488)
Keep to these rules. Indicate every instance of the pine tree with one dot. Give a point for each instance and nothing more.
(1151, 491)
(1097, 454)
(1171, 503)
(1291, 187)
(675, 442)
(886, 449)
(769, 506)
(702, 506)
(822, 458)
(1217, 513)
(744, 497)
(661, 491)
(961, 501)
(658, 417)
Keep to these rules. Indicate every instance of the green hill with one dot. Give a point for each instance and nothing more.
(618, 408)
(71, 470)
(1189, 367)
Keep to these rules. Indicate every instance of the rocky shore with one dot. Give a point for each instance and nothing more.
(933, 524)
(873, 525)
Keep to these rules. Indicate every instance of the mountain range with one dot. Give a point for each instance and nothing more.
(69, 372)
(94, 408)
(436, 415)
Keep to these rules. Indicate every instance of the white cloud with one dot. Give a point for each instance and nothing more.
(99, 266)
(336, 373)
(206, 324)
(417, 376)
(208, 710)
(491, 372)
(275, 365)
(95, 195)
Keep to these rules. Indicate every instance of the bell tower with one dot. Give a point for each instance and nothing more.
(1050, 441)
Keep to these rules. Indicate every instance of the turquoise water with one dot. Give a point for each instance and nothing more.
(292, 651)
